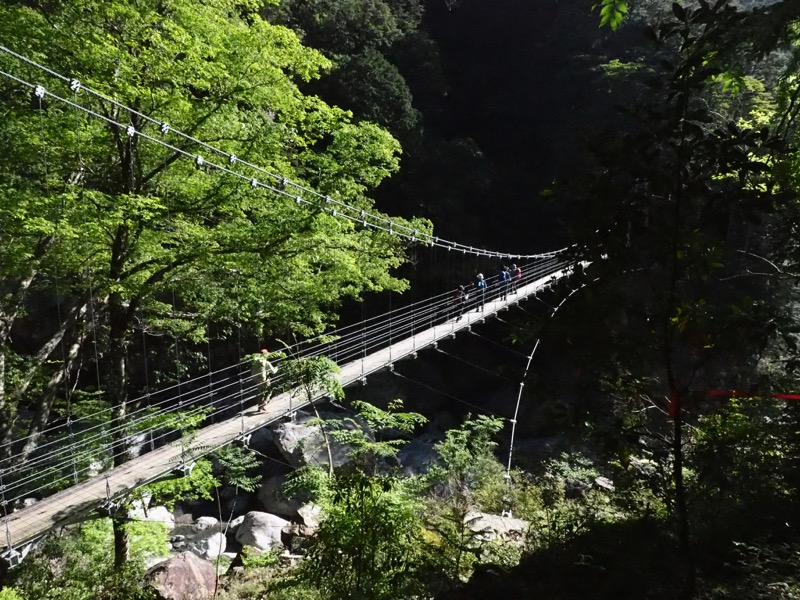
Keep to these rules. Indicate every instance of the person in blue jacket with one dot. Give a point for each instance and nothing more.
(505, 283)
(480, 286)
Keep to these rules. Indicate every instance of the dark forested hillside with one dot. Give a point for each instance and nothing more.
(632, 432)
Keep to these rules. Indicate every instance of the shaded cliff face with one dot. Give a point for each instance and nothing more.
(523, 83)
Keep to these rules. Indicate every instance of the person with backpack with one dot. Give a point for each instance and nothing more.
(516, 278)
(260, 370)
(460, 301)
(481, 286)
(505, 283)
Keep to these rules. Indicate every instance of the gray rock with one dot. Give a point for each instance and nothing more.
(273, 501)
(183, 577)
(604, 483)
(208, 546)
(206, 523)
(262, 440)
(417, 457)
(261, 530)
(491, 527)
(154, 514)
(310, 515)
(302, 443)
(575, 489)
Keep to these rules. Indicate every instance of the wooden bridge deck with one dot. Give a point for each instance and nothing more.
(73, 504)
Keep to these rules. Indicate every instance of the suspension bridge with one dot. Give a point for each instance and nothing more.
(70, 473)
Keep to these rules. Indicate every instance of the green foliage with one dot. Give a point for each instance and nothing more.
(756, 571)
(570, 506)
(313, 376)
(255, 559)
(168, 491)
(310, 481)
(612, 12)
(349, 26)
(466, 474)
(10, 594)
(77, 565)
(367, 545)
(742, 457)
(112, 226)
(466, 459)
(366, 433)
(238, 467)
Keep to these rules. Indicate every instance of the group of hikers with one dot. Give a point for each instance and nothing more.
(470, 295)
(474, 293)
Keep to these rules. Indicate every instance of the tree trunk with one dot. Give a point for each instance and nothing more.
(45, 404)
(117, 394)
(688, 575)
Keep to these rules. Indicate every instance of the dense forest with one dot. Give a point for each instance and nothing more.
(631, 432)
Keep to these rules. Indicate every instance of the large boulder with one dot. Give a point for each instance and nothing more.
(417, 457)
(183, 577)
(273, 501)
(310, 516)
(489, 527)
(301, 442)
(261, 530)
(209, 546)
(154, 514)
(204, 537)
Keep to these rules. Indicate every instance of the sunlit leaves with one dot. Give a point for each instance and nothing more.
(612, 12)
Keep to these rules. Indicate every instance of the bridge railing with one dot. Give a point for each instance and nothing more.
(79, 449)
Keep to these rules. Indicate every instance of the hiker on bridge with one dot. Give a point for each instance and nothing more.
(261, 369)
(460, 301)
(480, 285)
(505, 283)
(516, 278)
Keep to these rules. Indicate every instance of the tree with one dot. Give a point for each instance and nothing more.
(673, 237)
(466, 463)
(368, 543)
(127, 236)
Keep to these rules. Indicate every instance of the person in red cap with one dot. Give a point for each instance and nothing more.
(261, 370)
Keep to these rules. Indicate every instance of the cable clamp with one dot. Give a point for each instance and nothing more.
(254, 182)
(199, 160)
(74, 85)
(327, 199)
(164, 128)
(333, 212)
(521, 384)
(298, 199)
(130, 130)
(232, 158)
(109, 507)
(12, 557)
(39, 91)
(184, 469)
(284, 183)
(244, 438)
(363, 381)
(514, 421)
(414, 354)
(391, 367)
